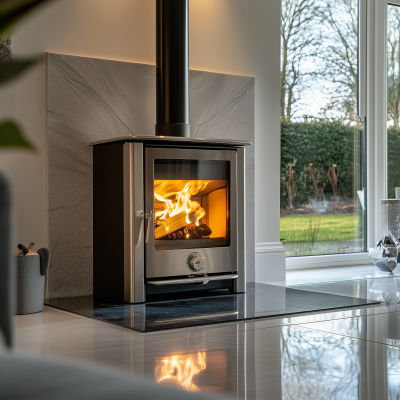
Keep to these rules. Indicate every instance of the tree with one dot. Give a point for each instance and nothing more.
(333, 178)
(393, 65)
(300, 40)
(339, 58)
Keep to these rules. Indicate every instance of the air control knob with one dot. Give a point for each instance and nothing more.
(195, 262)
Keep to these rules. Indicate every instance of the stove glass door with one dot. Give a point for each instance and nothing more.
(191, 206)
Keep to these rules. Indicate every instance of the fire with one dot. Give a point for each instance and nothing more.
(180, 369)
(176, 198)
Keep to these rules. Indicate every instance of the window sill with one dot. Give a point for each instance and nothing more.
(333, 260)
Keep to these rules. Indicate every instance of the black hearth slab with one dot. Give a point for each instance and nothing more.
(260, 300)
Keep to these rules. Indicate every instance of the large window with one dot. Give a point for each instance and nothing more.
(322, 137)
(393, 99)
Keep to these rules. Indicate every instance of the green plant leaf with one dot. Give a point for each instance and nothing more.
(11, 69)
(11, 136)
(11, 11)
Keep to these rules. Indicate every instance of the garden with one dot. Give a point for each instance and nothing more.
(321, 174)
(322, 164)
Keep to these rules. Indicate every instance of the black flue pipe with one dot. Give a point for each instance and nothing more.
(172, 68)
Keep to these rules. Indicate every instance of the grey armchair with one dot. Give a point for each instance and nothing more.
(41, 378)
(7, 270)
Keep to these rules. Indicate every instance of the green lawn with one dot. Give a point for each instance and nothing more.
(324, 228)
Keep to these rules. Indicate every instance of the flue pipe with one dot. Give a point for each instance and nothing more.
(172, 68)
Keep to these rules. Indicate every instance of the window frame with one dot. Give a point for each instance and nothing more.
(377, 109)
(372, 95)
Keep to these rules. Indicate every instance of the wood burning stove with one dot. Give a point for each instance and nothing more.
(168, 209)
(169, 216)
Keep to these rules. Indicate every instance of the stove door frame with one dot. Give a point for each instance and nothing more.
(172, 263)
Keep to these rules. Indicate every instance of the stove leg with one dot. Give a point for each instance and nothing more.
(239, 285)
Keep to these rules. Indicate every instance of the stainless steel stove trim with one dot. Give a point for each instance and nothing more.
(192, 280)
(169, 263)
(176, 140)
(134, 288)
(240, 283)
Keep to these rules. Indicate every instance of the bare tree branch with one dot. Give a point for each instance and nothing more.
(300, 41)
(393, 65)
(339, 58)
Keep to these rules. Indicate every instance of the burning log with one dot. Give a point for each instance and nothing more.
(173, 224)
(175, 236)
(203, 230)
(191, 231)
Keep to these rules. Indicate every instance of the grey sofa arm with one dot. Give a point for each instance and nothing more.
(7, 267)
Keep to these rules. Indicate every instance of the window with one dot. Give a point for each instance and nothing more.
(393, 99)
(322, 137)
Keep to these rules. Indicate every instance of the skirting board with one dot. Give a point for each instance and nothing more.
(270, 262)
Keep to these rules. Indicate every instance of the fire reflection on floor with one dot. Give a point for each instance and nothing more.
(193, 372)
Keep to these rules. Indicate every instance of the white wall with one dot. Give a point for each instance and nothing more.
(232, 36)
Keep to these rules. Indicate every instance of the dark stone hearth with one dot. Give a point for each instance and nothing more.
(260, 300)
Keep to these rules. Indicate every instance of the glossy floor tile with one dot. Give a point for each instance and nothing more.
(61, 332)
(381, 328)
(338, 355)
(283, 362)
(383, 288)
(324, 366)
(334, 274)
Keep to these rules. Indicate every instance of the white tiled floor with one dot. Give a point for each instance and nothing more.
(340, 355)
(314, 275)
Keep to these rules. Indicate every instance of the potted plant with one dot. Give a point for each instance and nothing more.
(11, 11)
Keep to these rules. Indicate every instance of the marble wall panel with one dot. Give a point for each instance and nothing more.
(93, 99)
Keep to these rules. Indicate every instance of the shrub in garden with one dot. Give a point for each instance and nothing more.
(321, 144)
(393, 149)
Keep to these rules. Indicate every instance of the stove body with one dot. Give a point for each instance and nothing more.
(141, 246)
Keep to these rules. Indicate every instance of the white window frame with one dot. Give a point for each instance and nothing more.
(373, 95)
(377, 110)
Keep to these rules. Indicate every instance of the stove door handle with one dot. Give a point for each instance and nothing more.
(140, 215)
(148, 221)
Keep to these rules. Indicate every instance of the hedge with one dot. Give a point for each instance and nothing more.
(393, 160)
(321, 144)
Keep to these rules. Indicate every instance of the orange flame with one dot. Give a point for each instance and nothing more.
(180, 369)
(176, 198)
